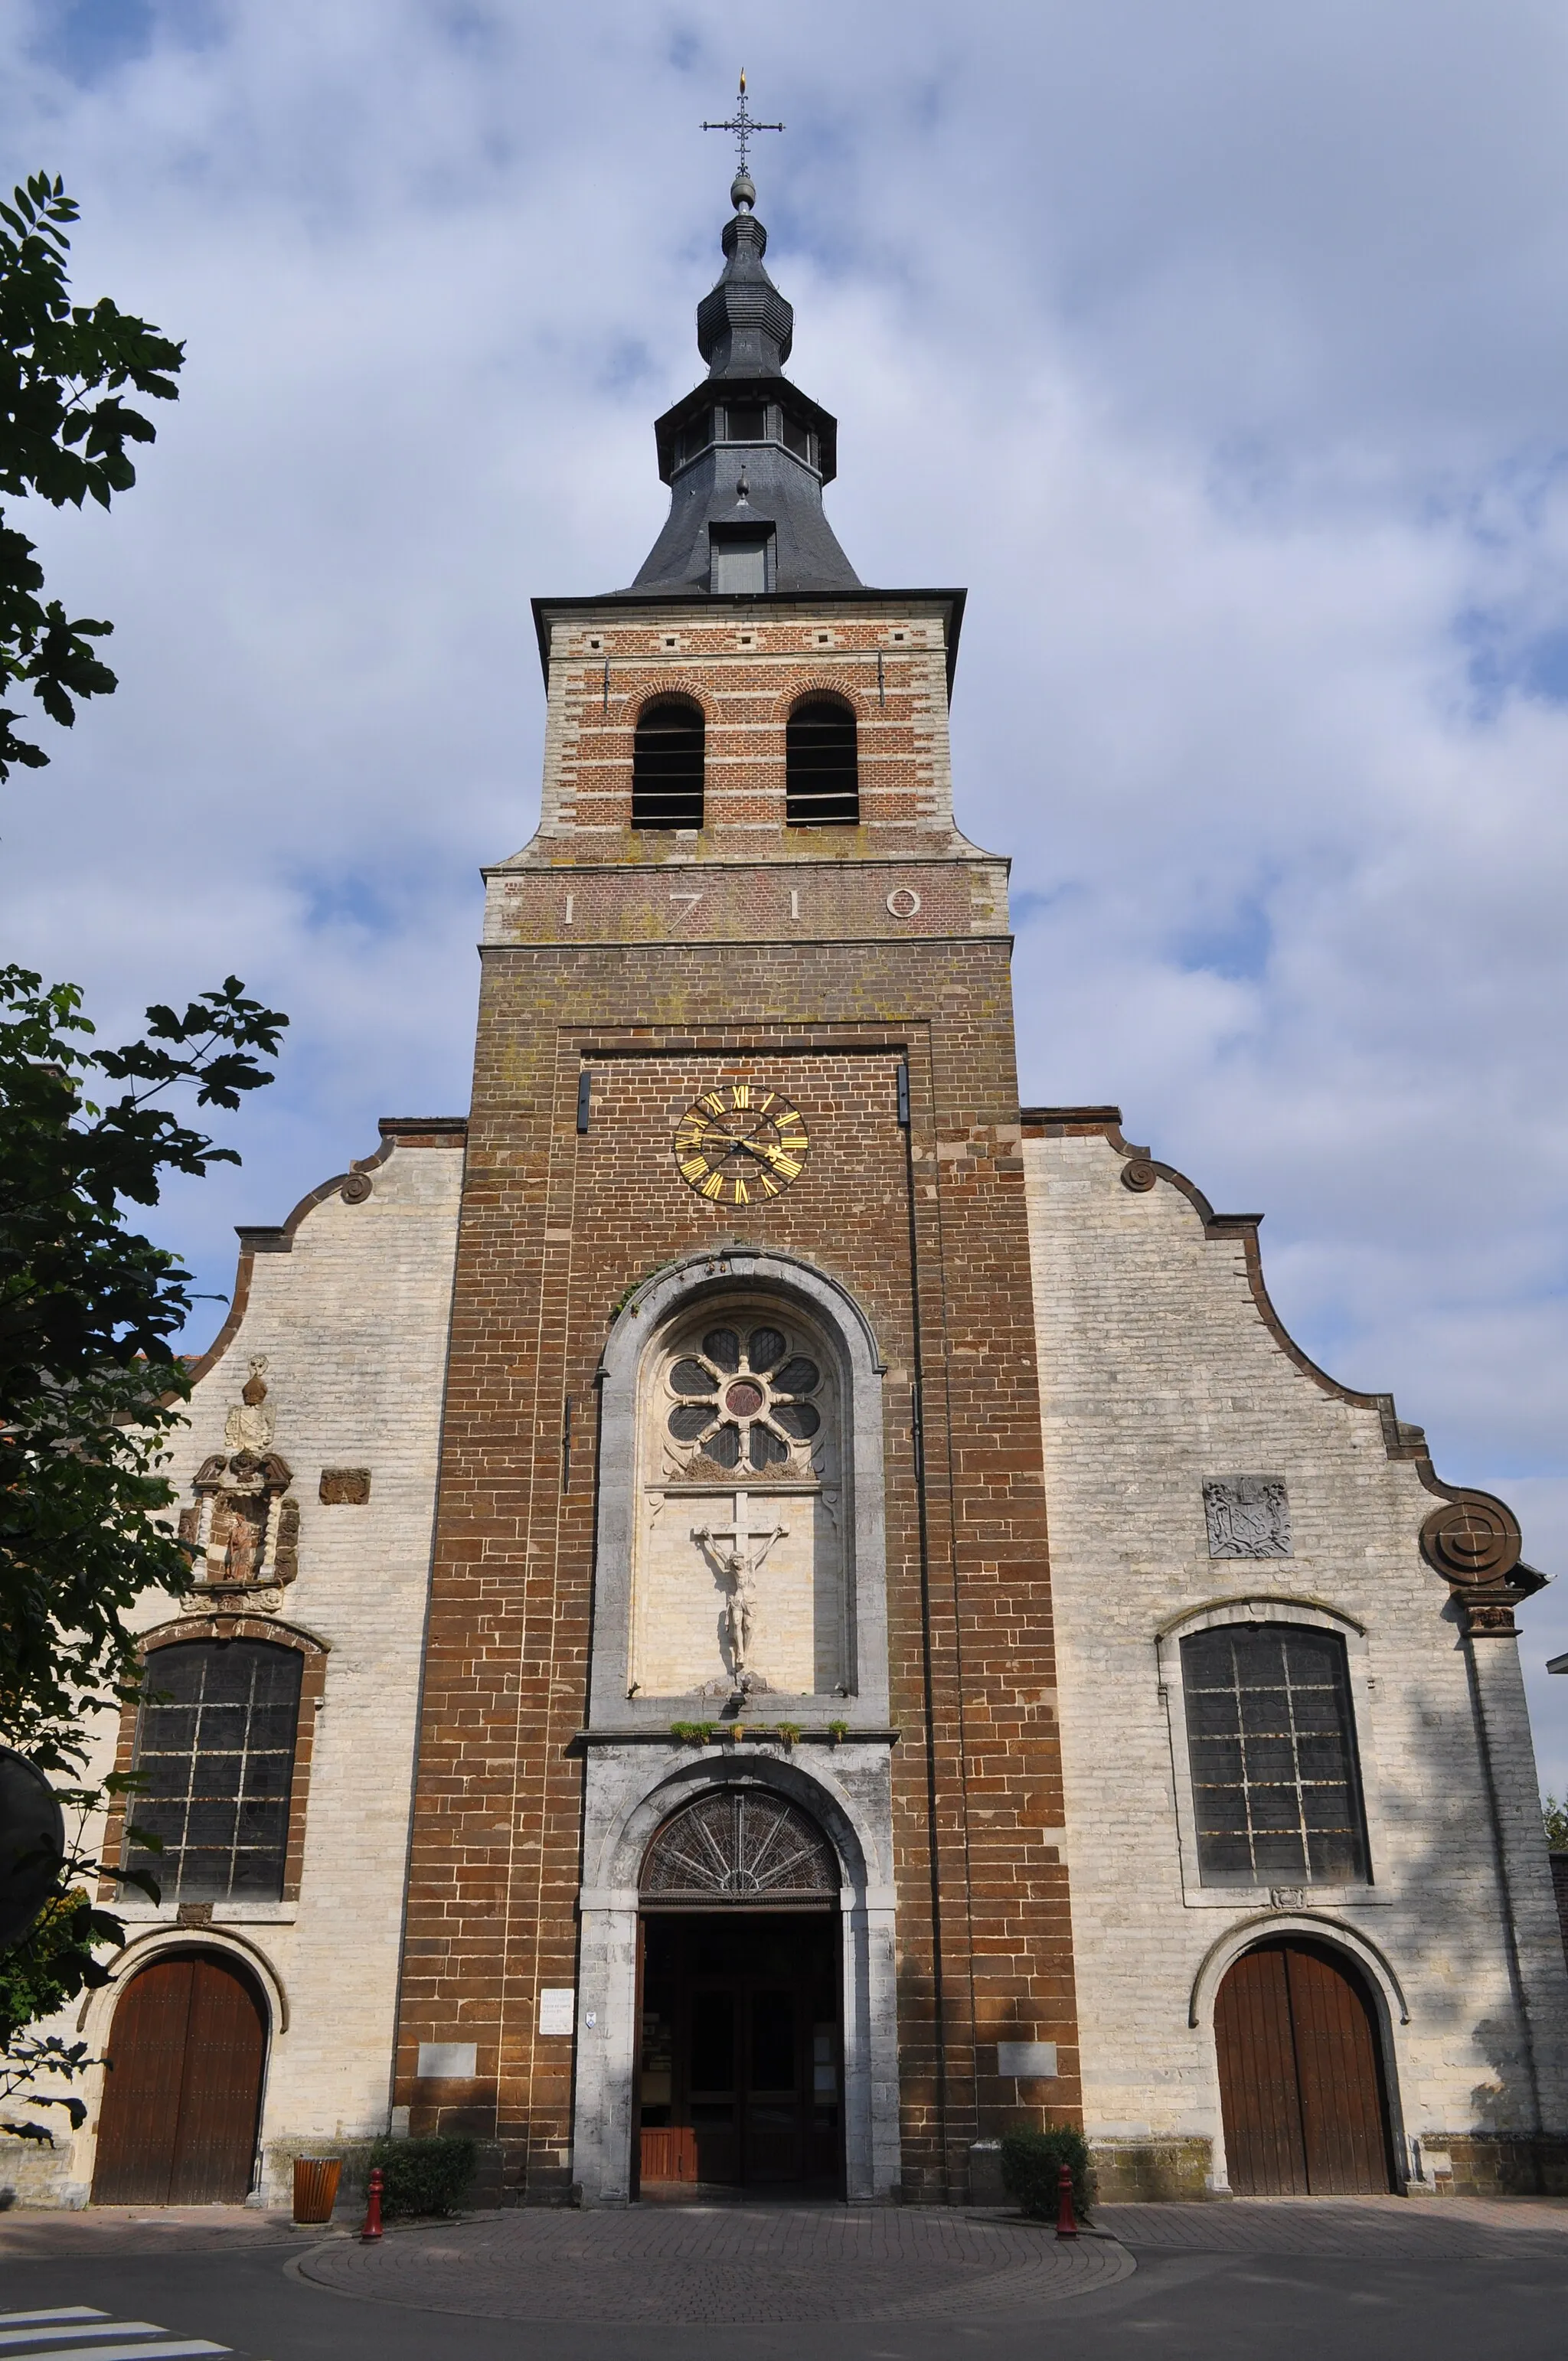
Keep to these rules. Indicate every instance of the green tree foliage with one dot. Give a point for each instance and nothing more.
(1554, 1817)
(90, 1382)
(38, 1976)
(64, 428)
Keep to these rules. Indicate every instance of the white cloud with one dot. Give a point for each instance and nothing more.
(1221, 351)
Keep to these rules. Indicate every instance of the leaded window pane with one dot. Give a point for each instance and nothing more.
(215, 1749)
(1272, 1749)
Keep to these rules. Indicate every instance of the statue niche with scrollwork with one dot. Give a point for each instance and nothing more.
(243, 1531)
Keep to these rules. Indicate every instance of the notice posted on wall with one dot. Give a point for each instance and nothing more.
(556, 2009)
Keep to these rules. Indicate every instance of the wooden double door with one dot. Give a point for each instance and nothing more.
(740, 2072)
(1302, 2086)
(182, 2091)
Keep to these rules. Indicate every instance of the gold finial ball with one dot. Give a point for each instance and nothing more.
(742, 81)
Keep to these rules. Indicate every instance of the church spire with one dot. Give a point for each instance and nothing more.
(746, 453)
(744, 327)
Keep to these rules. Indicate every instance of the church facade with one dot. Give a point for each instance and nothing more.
(766, 1614)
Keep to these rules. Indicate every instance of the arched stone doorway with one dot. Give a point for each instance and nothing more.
(183, 2093)
(1301, 2087)
(741, 2059)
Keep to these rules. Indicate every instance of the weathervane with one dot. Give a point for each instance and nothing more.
(742, 125)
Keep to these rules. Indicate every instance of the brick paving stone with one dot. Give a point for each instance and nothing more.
(1453, 2229)
(721, 2266)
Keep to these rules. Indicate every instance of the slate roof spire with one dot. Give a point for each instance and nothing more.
(746, 453)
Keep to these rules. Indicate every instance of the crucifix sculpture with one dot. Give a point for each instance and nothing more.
(742, 125)
(739, 1564)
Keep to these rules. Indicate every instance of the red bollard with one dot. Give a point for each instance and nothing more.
(373, 2209)
(1067, 2222)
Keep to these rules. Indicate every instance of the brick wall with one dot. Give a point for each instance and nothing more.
(926, 1230)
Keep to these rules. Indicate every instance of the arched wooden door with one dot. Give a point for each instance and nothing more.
(183, 2093)
(1301, 2076)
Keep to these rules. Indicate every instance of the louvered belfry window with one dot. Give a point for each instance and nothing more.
(215, 1751)
(822, 766)
(667, 764)
(1272, 1746)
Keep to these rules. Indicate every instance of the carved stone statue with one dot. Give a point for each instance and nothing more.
(250, 1424)
(738, 1566)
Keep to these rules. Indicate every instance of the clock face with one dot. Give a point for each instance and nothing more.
(740, 1143)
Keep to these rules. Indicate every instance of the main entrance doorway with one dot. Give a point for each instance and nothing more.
(1301, 2076)
(183, 2094)
(740, 1966)
(740, 2070)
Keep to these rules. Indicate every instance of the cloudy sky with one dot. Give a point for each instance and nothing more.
(1223, 350)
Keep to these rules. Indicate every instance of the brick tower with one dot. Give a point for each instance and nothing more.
(736, 1842)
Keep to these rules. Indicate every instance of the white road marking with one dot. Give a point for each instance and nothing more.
(172, 2349)
(67, 2311)
(75, 2323)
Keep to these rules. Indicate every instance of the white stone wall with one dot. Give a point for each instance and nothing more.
(353, 1319)
(1159, 1369)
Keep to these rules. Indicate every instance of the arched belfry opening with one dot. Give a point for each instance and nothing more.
(739, 2071)
(822, 764)
(668, 765)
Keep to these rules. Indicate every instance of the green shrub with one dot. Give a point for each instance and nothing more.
(422, 2176)
(1031, 2166)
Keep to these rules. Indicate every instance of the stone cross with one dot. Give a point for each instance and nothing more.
(739, 1564)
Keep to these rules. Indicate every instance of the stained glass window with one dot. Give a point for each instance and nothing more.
(1272, 1746)
(215, 1751)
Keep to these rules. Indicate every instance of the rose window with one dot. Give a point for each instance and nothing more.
(745, 1397)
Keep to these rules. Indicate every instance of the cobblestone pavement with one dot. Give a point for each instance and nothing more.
(718, 2267)
(1448, 2229)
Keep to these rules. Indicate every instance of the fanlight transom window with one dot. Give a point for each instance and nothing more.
(740, 1844)
(744, 1396)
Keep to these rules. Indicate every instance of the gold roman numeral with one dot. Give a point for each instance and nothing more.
(742, 1196)
(712, 1101)
(788, 1165)
(713, 1185)
(694, 1168)
(741, 1096)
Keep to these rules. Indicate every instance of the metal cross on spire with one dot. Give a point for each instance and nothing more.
(742, 125)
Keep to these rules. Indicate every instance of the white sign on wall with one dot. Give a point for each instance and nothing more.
(557, 2007)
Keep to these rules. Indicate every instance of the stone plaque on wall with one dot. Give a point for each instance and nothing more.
(1247, 1516)
(447, 2061)
(344, 1487)
(1030, 2060)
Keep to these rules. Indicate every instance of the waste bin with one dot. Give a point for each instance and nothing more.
(315, 2187)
